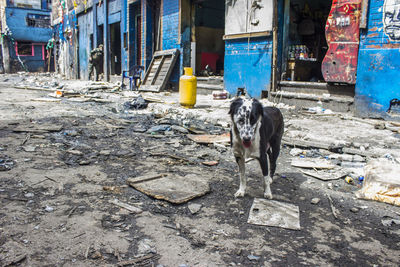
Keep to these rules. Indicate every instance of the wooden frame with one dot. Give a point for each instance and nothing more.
(159, 70)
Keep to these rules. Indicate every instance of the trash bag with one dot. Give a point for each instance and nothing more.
(381, 182)
(137, 103)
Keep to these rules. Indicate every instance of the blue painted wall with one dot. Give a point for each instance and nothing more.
(248, 65)
(124, 34)
(148, 29)
(16, 22)
(32, 63)
(170, 33)
(378, 72)
(20, 32)
(85, 22)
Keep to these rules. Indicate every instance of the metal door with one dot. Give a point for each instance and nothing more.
(342, 33)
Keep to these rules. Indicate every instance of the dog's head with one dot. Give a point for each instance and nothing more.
(246, 115)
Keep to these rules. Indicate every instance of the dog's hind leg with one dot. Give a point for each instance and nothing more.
(263, 160)
(243, 181)
(273, 156)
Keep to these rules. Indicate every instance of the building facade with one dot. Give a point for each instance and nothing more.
(26, 31)
(262, 46)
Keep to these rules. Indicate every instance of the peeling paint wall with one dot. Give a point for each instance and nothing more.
(378, 73)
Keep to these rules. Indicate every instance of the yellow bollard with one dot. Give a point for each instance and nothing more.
(187, 89)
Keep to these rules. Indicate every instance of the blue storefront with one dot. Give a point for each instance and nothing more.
(26, 33)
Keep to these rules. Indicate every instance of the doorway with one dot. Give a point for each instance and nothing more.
(304, 44)
(134, 34)
(208, 32)
(115, 48)
(100, 35)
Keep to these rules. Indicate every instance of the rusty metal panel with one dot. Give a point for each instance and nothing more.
(342, 35)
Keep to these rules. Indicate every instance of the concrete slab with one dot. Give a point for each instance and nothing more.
(173, 188)
(274, 213)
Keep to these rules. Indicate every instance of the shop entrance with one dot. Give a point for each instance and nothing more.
(304, 43)
(207, 45)
(115, 48)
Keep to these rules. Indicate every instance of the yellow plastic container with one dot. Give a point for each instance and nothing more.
(187, 89)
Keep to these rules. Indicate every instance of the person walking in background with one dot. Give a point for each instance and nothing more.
(96, 62)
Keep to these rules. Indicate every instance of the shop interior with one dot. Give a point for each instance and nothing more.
(304, 43)
(207, 37)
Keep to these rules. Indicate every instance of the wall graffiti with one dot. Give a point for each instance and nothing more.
(391, 19)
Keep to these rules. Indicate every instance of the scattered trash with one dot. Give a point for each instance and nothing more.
(146, 246)
(350, 164)
(29, 148)
(6, 163)
(137, 103)
(349, 180)
(29, 195)
(179, 129)
(295, 152)
(112, 189)
(333, 209)
(49, 209)
(382, 182)
(159, 128)
(274, 213)
(312, 163)
(388, 221)
(172, 187)
(253, 257)
(347, 157)
(209, 139)
(38, 128)
(194, 208)
(219, 95)
(210, 163)
(326, 175)
(315, 200)
(125, 206)
(71, 133)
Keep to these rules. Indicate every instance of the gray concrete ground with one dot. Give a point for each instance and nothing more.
(67, 159)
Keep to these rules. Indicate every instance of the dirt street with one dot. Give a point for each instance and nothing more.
(69, 160)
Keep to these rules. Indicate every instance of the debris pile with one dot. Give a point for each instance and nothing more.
(6, 163)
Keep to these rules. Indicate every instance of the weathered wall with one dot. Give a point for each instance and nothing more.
(32, 63)
(248, 65)
(16, 22)
(378, 69)
(147, 34)
(85, 22)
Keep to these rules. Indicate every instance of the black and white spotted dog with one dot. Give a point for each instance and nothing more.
(256, 132)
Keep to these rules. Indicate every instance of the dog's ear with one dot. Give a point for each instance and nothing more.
(257, 107)
(235, 105)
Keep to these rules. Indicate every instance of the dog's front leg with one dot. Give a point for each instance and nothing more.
(243, 180)
(267, 179)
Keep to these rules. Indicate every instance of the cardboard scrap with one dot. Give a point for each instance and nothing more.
(171, 187)
(312, 163)
(324, 175)
(274, 213)
(209, 139)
